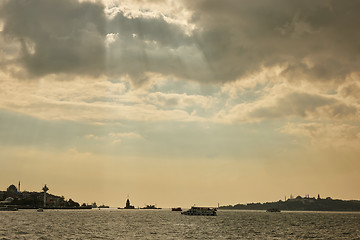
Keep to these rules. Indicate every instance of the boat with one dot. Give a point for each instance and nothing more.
(200, 211)
(8, 208)
(40, 210)
(273, 210)
(150, 207)
(103, 206)
(178, 209)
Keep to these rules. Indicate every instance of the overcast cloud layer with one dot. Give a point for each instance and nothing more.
(56, 36)
(229, 41)
(263, 60)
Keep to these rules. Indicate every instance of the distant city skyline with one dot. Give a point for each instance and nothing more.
(17, 193)
(179, 103)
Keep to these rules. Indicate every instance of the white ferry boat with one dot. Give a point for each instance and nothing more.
(200, 211)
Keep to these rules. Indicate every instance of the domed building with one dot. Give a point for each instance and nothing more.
(12, 189)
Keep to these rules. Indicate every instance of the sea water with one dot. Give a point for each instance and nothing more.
(165, 224)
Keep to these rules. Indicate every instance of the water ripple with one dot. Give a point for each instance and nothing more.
(164, 224)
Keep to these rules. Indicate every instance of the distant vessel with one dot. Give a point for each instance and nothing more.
(150, 207)
(178, 209)
(103, 206)
(8, 208)
(6, 204)
(201, 211)
(273, 210)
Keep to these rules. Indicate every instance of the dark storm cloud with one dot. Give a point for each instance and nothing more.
(56, 36)
(312, 40)
(317, 40)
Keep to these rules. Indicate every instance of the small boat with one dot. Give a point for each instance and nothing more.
(178, 209)
(273, 210)
(201, 211)
(150, 207)
(8, 208)
(103, 206)
(40, 210)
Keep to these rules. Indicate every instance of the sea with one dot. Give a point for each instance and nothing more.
(165, 224)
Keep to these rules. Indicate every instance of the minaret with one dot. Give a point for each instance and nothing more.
(45, 189)
(19, 187)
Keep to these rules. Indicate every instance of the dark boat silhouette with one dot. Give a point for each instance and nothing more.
(273, 210)
(178, 209)
(150, 207)
(8, 208)
(103, 206)
(201, 211)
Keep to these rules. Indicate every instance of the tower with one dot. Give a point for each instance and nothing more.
(19, 187)
(45, 189)
(128, 205)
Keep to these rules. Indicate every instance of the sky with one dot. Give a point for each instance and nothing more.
(180, 102)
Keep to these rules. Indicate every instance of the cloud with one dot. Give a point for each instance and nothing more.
(351, 90)
(315, 40)
(142, 45)
(292, 104)
(92, 136)
(220, 42)
(81, 100)
(118, 137)
(327, 135)
(114, 137)
(154, 29)
(305, 105)
(56, 36)
(181, 101)
(250, 50)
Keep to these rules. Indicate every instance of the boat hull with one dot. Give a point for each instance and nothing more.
(176, 209)
(198, 214)
(200, 211)
(8, 208)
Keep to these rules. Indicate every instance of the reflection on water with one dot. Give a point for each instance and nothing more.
(165, 224)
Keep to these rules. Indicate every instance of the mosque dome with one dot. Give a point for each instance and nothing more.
(12, 189)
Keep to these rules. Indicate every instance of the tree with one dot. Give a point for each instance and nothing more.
(73, 204)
